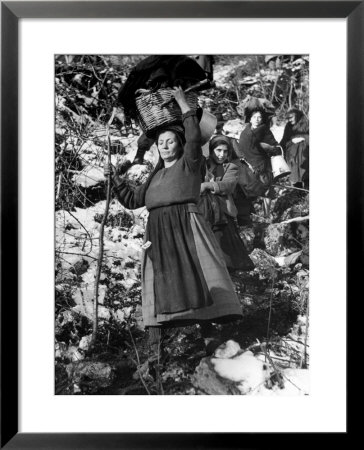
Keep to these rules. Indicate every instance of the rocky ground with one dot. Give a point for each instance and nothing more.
(266, 353)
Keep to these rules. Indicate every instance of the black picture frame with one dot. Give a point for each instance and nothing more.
(11, 12)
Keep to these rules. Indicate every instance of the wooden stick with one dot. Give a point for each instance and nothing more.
(297, 219)
(138, 360)
(290, 187)
(270, 309)
(101, 239)
(59, 186)
(306, 334)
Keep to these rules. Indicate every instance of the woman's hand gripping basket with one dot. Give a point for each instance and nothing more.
(153, 115)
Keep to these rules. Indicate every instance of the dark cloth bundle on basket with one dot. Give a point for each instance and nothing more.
(207, 64)
(159, 71)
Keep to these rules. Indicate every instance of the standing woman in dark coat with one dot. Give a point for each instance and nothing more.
(220, 180)
(184, 275)
(295, 142)
(256, 146)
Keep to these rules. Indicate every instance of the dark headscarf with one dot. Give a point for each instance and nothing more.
(178, 130)
(296, 112)
(301, 125)
(220, 139)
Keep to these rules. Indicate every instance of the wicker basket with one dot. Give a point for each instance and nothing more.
(152, 116)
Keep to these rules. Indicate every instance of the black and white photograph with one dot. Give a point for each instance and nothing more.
(182, 224)
(181, 198)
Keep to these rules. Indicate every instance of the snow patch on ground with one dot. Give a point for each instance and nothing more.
(245, 369)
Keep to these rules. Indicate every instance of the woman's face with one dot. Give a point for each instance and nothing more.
(256, 119)
(168, 146)
(220, 153)
(272, 64)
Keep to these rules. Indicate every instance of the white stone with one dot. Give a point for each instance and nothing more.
(244, 369)
(85, 342)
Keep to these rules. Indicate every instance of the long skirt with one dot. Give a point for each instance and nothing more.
(184, 274)
(244, 206)
(297, 156)
(232, 246)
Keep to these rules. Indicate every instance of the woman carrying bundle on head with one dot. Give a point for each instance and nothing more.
(220, 176)
(184, 275)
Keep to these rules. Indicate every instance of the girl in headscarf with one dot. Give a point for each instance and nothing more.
(220, 180)
(295, 142)
(184, 275)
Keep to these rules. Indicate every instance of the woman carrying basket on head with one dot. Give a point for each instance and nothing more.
(184, 275)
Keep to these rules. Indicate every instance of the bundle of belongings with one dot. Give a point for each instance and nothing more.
(147, 94)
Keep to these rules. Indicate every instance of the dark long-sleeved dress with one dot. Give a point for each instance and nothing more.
(184, 275)
(224, 178)
(297, 155)
(255, 175)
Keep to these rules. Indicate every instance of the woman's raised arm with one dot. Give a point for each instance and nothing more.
(192, 148)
